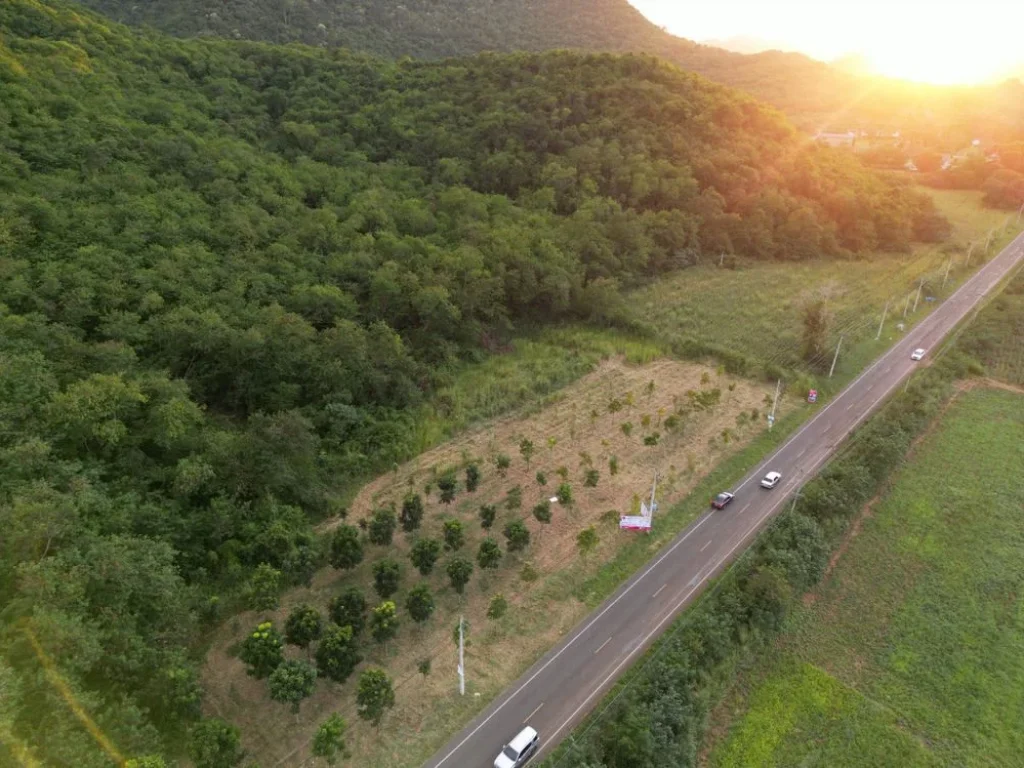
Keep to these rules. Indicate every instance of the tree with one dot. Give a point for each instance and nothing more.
(586, 540)
(928, 161)
(384, 622)
(349, 609)
(454, 535)
(502, 463)
(381, 527)
(292, 682)
(346, 549)
(264, 587)
(517, 535)
(214, 743)
(459, 570)
(488, 512)
(262, 651)
(303, 626)
(329, 739)
(526, 451)
(386, 576)
(564, 494)
(337, 654)
(375, 695)
(424, 554)
(420, 603)
(817, 321)
(447, 485)
(150, 761)
(542, 511)
(472, 477)
(489, 555)
(412, 512)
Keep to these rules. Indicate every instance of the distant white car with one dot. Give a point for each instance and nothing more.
(917, 354)
(771, 480)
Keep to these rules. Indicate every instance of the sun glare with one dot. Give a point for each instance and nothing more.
(938, 65)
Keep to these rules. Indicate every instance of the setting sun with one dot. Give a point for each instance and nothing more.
(945, 42)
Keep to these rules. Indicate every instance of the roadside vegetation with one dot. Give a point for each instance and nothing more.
(911, 652)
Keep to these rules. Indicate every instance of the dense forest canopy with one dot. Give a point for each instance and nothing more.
(812, 93)
(228, 272)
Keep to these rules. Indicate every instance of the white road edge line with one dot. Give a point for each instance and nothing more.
(916, 332)
(578, 635)
(601, 647)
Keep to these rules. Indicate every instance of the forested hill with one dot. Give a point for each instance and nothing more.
(812, 93)
(230, 273)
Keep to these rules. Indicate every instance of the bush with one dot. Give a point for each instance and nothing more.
(498, 607)
(586, 540)
(543, 511)
(472, 478)
(514, 500)
(502, 463)
(412, 512)
(627, 428)
(591, 478)
(613, 466)
(542, 479)
(652, 439)
(262, 651)
(454, 535)
(424, 554)
(488, 512)
(349, 609)
(489, 555)
(517, 535)
(447, 485)
(381, 527)
(386, 576)
(564, 494)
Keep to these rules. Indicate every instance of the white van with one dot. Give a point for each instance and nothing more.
(518, 751)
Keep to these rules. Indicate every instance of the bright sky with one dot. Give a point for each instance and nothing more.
(940, 41)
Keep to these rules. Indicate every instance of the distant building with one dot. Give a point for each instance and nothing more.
(847, 139)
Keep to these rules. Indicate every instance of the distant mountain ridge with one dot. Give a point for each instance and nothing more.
(813, 94)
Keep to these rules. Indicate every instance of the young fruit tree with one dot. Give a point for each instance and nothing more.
(346, 549)
(420, 603)
(292, 682)
(374, 696)
(424, 554)
(262, 651)
(329, 740)
(303, 626)
(386, 575)
(337, 654)
(489, 555)
(412, 512)
(459, 571)
(349, 609)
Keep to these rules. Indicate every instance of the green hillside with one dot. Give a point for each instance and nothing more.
(810, 92)
(230, 273)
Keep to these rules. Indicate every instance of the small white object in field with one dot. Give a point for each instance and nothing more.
(553, 499)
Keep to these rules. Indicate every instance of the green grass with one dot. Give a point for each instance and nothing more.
(920, 630)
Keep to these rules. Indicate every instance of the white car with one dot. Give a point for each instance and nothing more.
(771, 480)
(917, 354)
(518, 751)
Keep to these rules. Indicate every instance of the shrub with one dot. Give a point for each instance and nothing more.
(517, 535)
(488, 512)
(424, 554)
(423, 667)
(564, 493)
(454, 535)
(514, 500)
(472, 478)
(489, 555)
(386, 576)
(381, 527)
(652, 439)
(412, 512)
(543, 511)
(502, 463)
(447, 485)
(613, 465)
(586, 540)
(627, 428)
(349, 609)
(591, 477)
(498, 607)
(542, 479)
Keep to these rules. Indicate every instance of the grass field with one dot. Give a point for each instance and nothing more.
(912, 651)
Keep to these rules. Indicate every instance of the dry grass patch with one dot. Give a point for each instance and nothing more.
(579, 429)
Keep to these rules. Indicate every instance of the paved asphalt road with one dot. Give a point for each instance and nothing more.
(559, 690)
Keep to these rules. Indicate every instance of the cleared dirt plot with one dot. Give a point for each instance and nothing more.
(681, 426)
(913, 652)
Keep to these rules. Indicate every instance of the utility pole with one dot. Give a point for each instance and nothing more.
(906, 307)
(946, 276)
(968, 263)
(721, 259)
(920, 285)
(650, 509)
(882, 322)
(835, 357)
(775, 402)
(462, 666)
